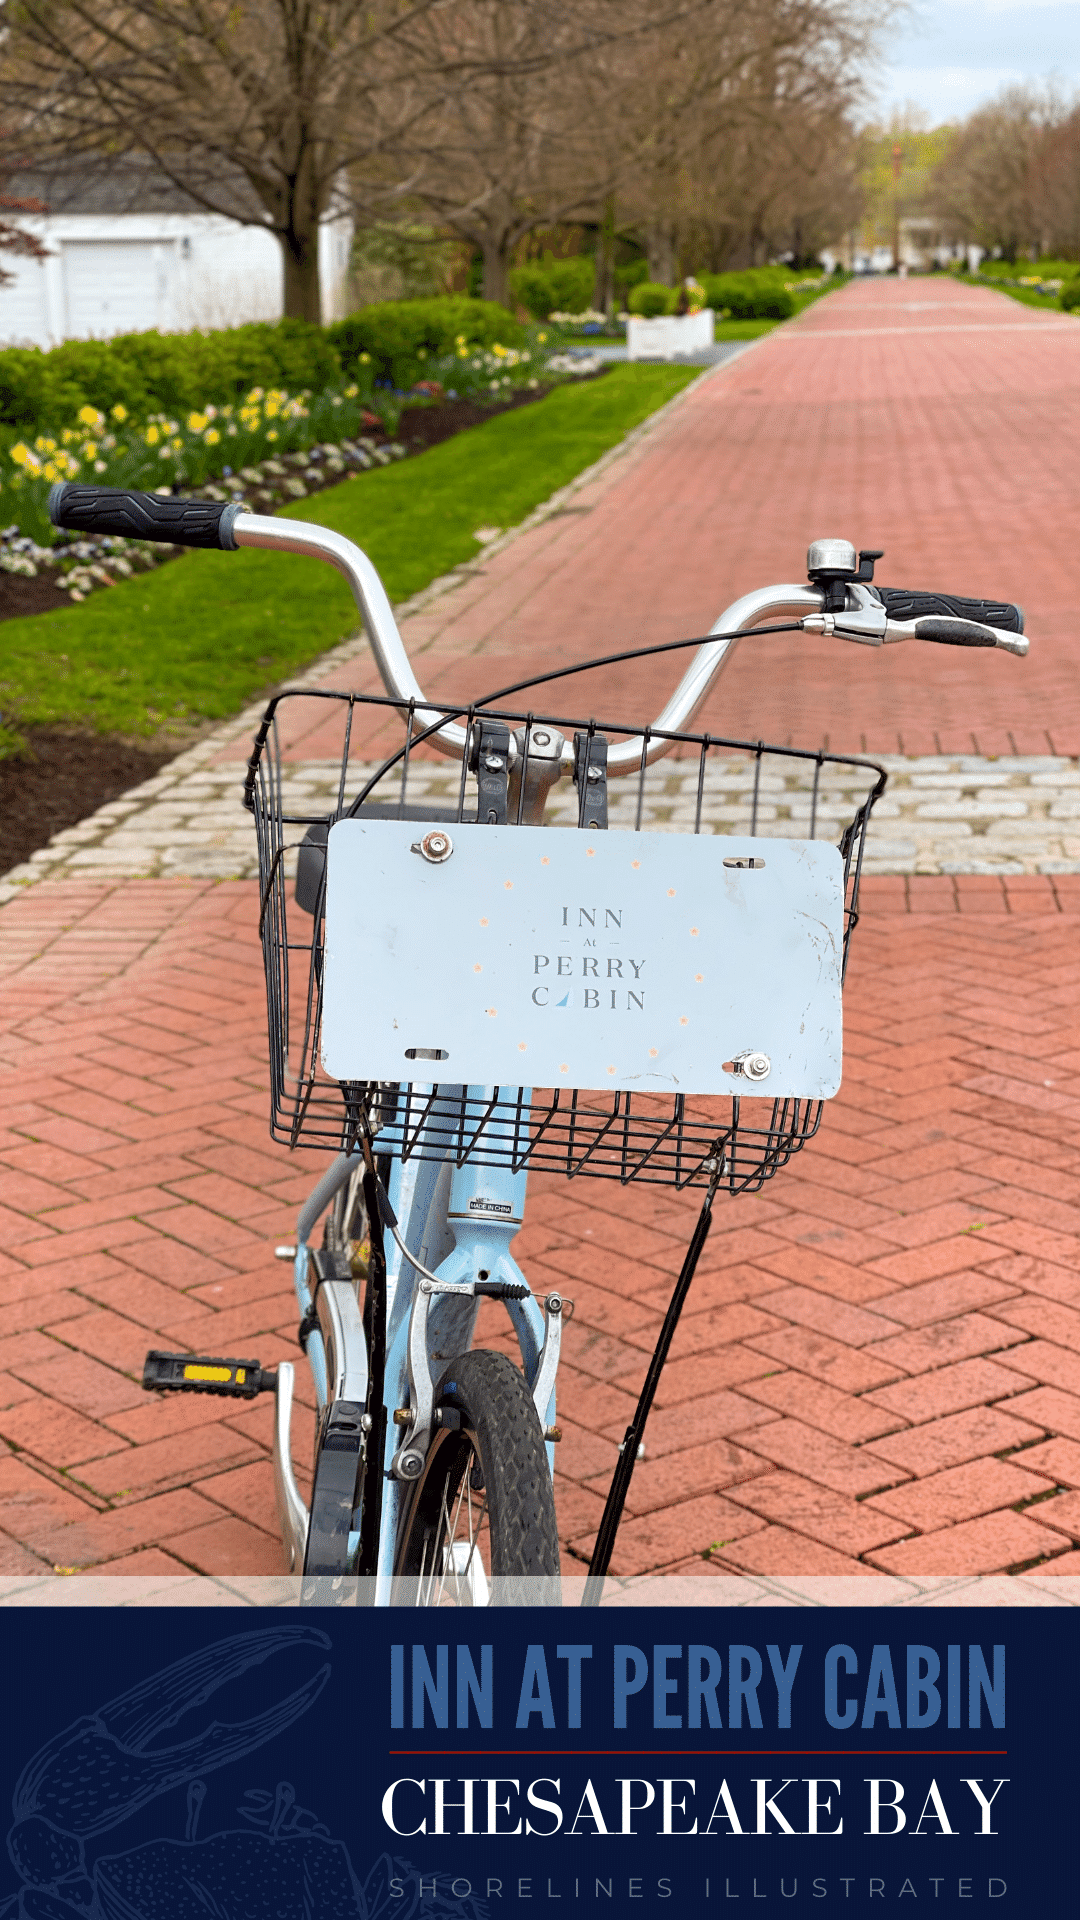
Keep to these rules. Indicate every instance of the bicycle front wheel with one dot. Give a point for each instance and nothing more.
(480, 1527)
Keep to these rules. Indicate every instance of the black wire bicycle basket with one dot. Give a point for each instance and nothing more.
(317, 760)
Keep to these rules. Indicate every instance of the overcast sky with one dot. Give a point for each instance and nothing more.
(950, 56)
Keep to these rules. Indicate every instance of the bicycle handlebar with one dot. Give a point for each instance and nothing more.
(142, 516)
(877, 614)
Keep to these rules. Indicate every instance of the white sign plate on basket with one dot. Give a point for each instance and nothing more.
(545, 957)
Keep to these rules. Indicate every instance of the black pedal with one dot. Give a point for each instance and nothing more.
(195, 1373)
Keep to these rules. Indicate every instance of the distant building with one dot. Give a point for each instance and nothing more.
(925, 243)
(128, 251)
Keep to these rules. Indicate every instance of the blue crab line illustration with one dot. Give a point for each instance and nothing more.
(102, 1769)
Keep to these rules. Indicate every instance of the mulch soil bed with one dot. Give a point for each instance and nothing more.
(67, 775)
(64, 777)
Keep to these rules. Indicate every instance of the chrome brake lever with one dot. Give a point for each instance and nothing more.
(864, 621)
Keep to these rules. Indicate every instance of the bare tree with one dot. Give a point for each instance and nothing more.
(523, 139)
(737, 143)
(253, 108)
(988, 184)
(1056, 187)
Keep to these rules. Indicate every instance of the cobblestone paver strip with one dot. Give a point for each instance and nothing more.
(939, 814)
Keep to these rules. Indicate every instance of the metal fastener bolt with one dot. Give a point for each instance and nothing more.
(756, 1066)
(553, 1303)
(541, 739)
(494, 762)
(435, 847)
(411, 1465)
(594, 773)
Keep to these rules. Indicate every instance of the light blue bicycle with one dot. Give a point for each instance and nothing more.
(691, 974)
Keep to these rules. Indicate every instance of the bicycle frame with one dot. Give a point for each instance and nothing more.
(458, 1222)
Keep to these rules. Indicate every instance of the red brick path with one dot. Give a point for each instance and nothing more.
(931, 419)
(880, 1365)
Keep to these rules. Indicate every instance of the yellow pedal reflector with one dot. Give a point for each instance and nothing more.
(207, 1373)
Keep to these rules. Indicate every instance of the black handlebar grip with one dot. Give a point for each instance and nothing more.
(900, 604)
(143, 516)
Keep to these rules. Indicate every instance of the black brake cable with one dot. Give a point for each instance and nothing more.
(449, 714)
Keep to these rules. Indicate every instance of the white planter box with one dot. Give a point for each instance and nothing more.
(669, 336)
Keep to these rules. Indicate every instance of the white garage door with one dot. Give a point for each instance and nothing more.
(111, 286)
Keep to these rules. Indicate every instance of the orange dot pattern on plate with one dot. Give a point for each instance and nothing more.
(671, 893)
(544, 861)
(509, 885)
(683, 1021)
(635, 864)
(523, 1046)
(483, 923)
(493, 1010)
(564, 1069)
(653, 1051)
(699, 977)
(693, 931)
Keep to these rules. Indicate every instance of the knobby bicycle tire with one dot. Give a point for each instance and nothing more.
(484, 1499)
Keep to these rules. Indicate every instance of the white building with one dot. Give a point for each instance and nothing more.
(125, 255)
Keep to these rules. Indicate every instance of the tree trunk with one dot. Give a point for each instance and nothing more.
(300, 242)
(496, 269)
(604, 283)
(302, 300)
(660, 246)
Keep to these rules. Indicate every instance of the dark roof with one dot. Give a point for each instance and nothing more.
(127, 185)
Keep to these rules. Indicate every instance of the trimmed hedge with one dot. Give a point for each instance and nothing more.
(1070, 294)
(757, 294)
(174, 372)
(151, 370)
(400, 335)
(649, 298)
(554, 286)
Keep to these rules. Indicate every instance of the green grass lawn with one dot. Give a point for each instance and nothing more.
(207, 633)
(1028, 296)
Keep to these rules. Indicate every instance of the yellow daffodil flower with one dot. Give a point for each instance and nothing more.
(197, 422)
(20, 454)
(90, 417)
(211, 436)
(152, 436)
(119, 412)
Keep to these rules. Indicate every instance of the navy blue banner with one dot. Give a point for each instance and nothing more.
(362, 1765)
